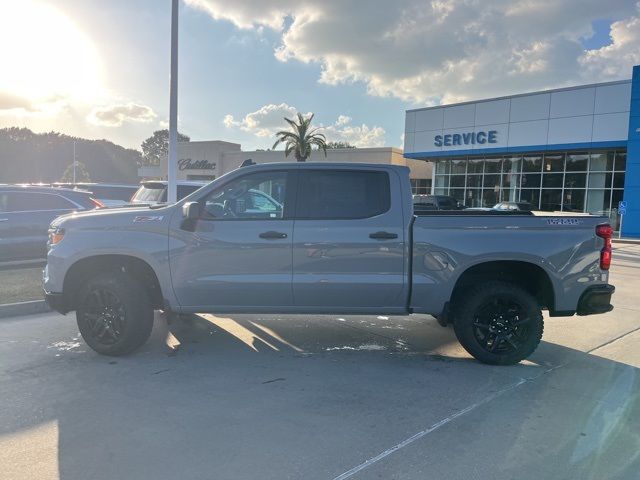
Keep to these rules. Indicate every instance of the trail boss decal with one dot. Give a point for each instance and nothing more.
(147, 218)
(564, 221)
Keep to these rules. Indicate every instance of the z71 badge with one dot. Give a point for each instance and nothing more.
(148, 218)
(564, 221)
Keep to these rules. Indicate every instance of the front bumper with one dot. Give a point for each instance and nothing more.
(596, 299)
(56, 301)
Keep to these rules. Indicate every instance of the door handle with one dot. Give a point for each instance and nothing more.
(383, 235)
(271, 235)
(4, 219)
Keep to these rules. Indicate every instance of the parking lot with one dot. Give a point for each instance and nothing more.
(319, 397)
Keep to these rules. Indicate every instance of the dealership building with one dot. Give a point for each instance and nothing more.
(571, 149)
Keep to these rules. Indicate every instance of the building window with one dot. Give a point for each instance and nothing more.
(573, 181)
(421, 186)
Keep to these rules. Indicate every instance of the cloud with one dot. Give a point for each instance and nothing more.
(117, 114)
(264, 122)
(18, 106)
(443, 50)
(269, 119)
(9, 101)
(613, 60)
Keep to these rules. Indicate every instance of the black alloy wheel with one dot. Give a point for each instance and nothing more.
(114, 313)
(498, 322)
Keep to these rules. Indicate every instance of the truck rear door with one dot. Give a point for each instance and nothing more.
(348, 240)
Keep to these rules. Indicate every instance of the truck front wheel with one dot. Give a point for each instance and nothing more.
(498, 323)
(114, 314)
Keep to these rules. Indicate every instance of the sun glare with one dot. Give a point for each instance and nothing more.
(45, 56)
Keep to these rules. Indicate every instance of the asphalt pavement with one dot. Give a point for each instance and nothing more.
(324, 397)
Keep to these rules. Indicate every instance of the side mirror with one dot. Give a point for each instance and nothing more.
(191, 211)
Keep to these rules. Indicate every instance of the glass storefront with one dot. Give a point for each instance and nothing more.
(421, 186)
(581, 181)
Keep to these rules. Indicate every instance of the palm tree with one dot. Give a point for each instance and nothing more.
(301, 138)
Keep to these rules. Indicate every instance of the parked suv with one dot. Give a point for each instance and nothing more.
(25, 214)
(155, 191)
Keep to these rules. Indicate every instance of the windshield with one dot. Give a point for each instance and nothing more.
(149, 194)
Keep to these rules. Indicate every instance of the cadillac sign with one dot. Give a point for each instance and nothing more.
(190, 164)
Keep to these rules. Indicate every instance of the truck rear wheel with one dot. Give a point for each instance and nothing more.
(114, 314)
(498, 323)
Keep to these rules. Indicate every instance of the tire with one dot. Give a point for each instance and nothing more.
(114, 314)
(498, 323)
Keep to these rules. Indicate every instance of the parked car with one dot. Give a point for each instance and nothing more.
(151, 192)
(346, 241)
(25, 214)
(435, 202)
(109, 194)
(514, 206)
(522, 207)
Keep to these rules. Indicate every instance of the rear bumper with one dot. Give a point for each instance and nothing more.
(56, 301)
(596, 299)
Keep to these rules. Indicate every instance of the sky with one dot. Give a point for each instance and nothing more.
(100, 68)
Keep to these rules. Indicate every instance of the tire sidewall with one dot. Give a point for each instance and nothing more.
(137, 309)
(465, 316)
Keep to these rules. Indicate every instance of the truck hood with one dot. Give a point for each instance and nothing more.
(110, 217)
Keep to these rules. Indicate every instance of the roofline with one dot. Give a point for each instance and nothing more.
(357, 149)
(210, 141)
(45, 188)
(318, 164)
(505, 97)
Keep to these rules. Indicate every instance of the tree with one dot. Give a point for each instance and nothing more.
(301, 138)
(156, 147)
(82, 175)
(332, 145)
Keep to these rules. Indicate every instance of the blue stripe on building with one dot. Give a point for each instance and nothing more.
(518, 149)
(631, 222)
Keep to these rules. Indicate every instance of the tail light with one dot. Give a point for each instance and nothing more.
(606, 232)
(97, 203)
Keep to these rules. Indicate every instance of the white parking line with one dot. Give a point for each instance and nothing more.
(444, 421)
(435, 426)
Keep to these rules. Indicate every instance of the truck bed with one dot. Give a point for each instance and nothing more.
(448, 243)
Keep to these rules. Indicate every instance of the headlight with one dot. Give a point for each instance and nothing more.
(55, 235)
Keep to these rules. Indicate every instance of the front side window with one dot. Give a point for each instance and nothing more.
(251, 197)
(346, 194)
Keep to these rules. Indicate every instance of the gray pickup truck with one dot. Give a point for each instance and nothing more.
(319, 238)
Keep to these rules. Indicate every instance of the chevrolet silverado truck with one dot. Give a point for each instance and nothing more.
(321, 238)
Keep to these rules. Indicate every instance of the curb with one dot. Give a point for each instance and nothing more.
(23, 308)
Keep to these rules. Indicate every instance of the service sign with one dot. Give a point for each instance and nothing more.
(468, 138)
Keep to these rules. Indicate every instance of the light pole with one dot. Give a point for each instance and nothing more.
(172, 161)
(74, 162)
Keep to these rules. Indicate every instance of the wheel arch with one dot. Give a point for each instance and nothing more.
(527, 275)
(85, 268)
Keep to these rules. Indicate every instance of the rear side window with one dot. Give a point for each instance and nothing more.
(346, 194)
(31, 201)
(184, 190)
(110, 193)
(149, 194)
